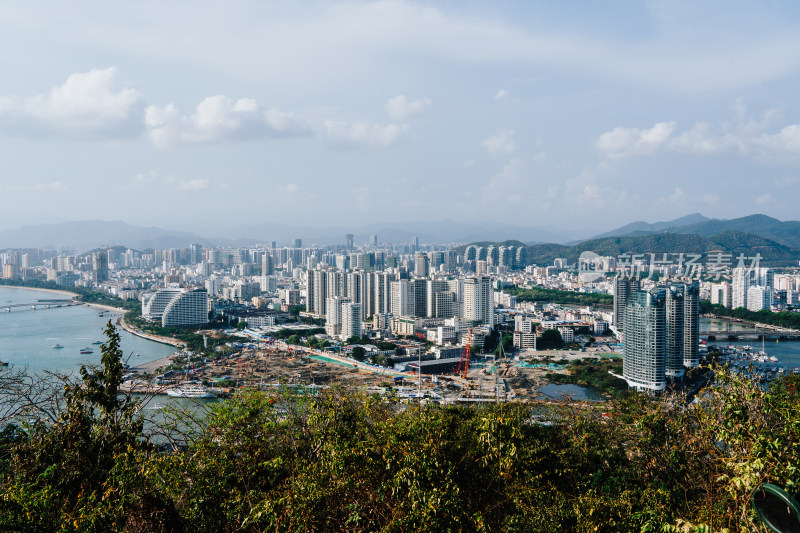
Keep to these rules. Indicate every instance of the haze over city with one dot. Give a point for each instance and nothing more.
(200, 116)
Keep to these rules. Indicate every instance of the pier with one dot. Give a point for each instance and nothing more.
(42, 303)
(735, 335)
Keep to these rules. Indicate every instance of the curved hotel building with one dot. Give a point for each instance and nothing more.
(176, 306)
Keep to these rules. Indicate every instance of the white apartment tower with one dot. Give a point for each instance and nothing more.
(478, 305)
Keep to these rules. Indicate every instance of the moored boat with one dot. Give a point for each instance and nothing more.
(190, 391)
(57, 347)
(86, 350)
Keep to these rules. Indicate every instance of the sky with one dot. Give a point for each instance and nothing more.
(581, 115)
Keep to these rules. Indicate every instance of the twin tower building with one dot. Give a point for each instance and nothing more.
(660, 331)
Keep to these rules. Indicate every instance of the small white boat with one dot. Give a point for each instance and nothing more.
(57, 347)
(190, 391)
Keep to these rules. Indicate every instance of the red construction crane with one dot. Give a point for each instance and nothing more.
(463, 366)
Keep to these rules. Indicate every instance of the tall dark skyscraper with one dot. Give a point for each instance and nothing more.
(100, 266)
(643, 365)
(660, 336)
(624, 286)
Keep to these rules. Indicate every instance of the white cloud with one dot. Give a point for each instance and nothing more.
(219, 118)
(510, 176)
(400, 107)
(501, 143)
(364, 134)
(628, 142)
(53, 186)
(193, 185)
(677, 195)
(764, 199)
(501, 96)
(154, 178)
(711, 198)
(88, 104)
(744, 135)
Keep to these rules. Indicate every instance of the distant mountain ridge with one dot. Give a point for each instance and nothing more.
(87, 234)
(642, 227)
(729, 242)
(787, 233)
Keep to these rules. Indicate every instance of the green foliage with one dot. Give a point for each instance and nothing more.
(540, 294)
(550, 340)
(358, 353)
(241, 325)
(84, 472)
(594, 373)
(507, 343)
(343, 461)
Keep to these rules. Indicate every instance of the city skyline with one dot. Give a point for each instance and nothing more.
(398, 110)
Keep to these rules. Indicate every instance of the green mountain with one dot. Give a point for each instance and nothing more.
(787, 233)
(731, 242)
(641, 227)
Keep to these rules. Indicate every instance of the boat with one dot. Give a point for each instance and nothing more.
(86, 350)
(190, 391)
(97, 342)
(3, 363)
(57, 347)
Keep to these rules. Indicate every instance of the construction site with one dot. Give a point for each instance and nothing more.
(266, 365)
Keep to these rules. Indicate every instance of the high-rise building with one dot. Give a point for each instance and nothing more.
(403, 301)
(624, 286)
(742, 278)
(297, 243)
(691, 325)
(333, 316)
(351, 321)
(349, 241)
(643, 364)
(176, 307)
(746, 278)
(195, 254)
(661, 335)
(100, 266)
(421, 265)
(267, 265)
(478, 300)
(721, 294)
(673, 331)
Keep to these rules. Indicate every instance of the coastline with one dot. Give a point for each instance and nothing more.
(119, 321)
(155, 338)
(73, 295)
(56, 291)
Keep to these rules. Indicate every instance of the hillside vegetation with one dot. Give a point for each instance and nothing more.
(732, 242)
(342, 461)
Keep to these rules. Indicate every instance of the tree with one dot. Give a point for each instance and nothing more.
(507, 343)
(550, 339)
(80, 472)
(358, 353)
(241, 325)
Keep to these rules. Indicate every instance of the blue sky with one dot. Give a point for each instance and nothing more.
(589, 115)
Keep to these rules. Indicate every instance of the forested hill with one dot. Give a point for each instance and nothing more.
(733, 242)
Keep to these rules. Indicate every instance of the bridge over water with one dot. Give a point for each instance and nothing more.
(41, 303)
(766, 334)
